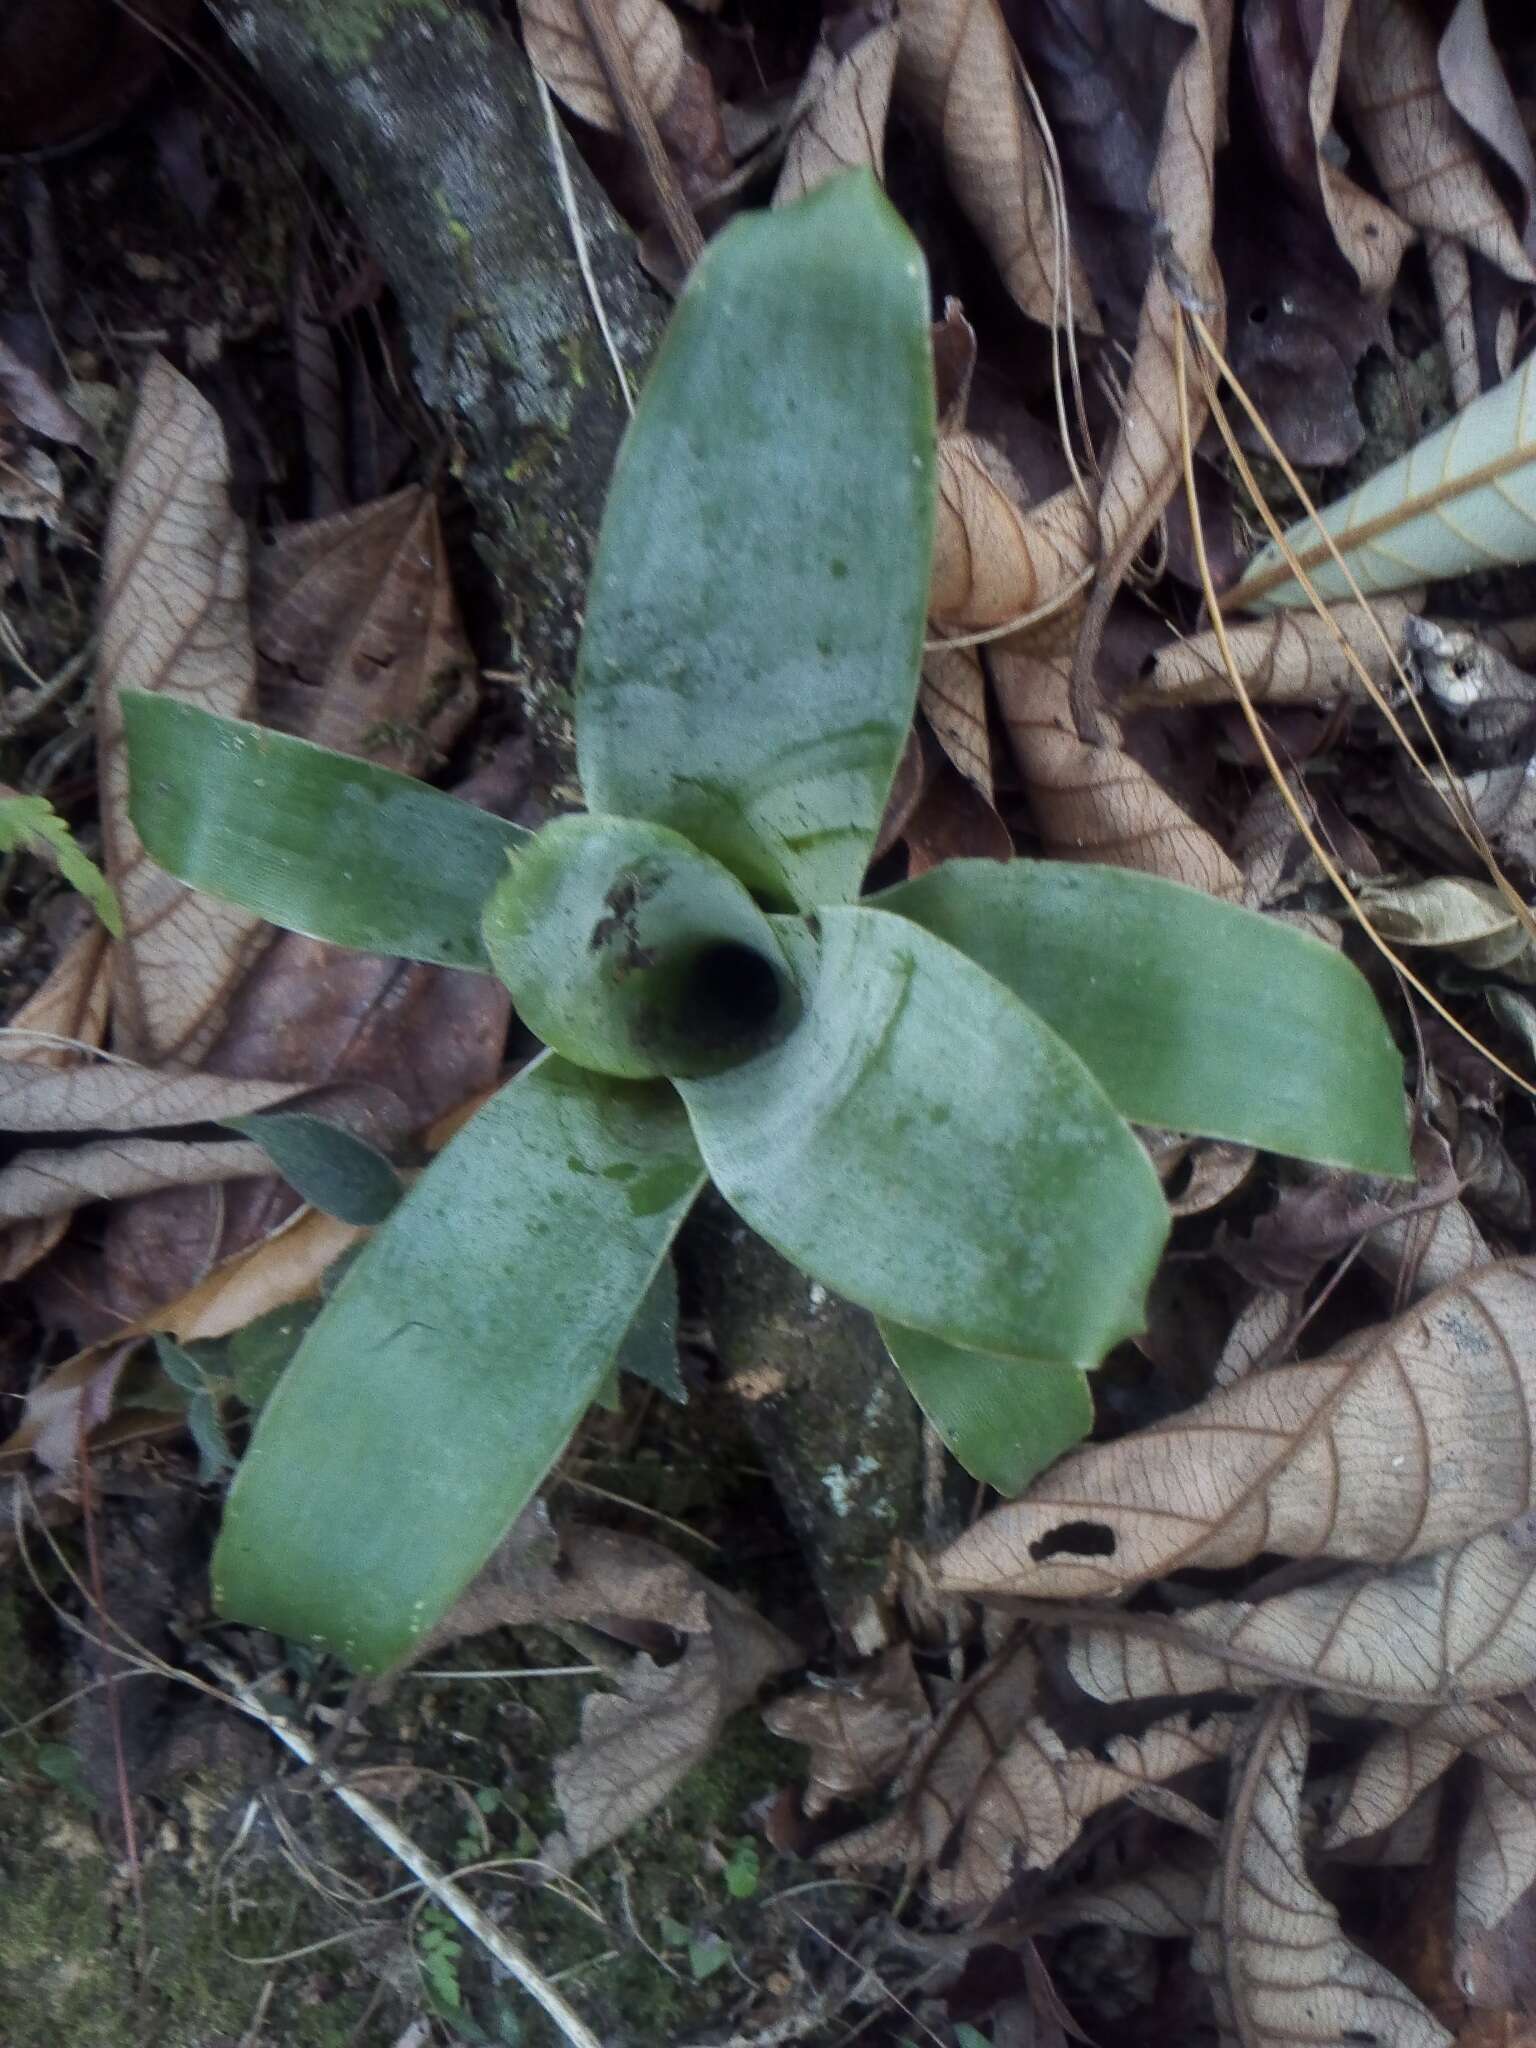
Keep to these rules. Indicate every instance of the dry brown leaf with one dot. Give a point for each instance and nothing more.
(1400, 1766)
(541, 1573)
(1450, 273)
(1408, 1439)
(841, 122)
(859, 1730)
(44, 1183)
(1095, 802)
(1443, 1630)
(125, 1098)
(1410, 1840)
(1217, 1168)
(960, 72)
(635, 1748)
(70, 1006)
(1258, 1336)
(173, 621)
(1165, 1903)
(995, 559)
(1426, 160)
(358, 630)
(937, 1788)
(1370, 234)
(1278, 1966)
(1145, 463)
(954, 699)
(674, 86)
(1286, 658)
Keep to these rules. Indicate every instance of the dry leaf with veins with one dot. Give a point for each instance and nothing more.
(674, 86)
(1443, 1630)
(1145, 463)
(1271, 1949)
(841, 123)
(1095, 802)
(72, 1005)
(959, 70)
(1165, 1903)
(859, 1730)
(995, 558)
(358, 632)
(173, 621)
(1406, 1439)
(1287, 658)
(636, 1747)
(1423, 154)
(954, 699)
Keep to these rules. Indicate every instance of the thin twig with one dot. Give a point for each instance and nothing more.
(579, 239)
(443, 1890)
(613, 59)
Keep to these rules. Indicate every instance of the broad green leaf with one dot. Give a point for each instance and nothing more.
(923, 1144)
(31, 821)
(313, 840)
(328, 1166)
(632, 953)
(1463, 500)
(649, 1349)
(754, 627)
(1193, 1014)
(444, 1376)
(1003, 1419)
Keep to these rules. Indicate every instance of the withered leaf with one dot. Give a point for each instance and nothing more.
(1287, 658)
(1279, 1968)
(960, 72)
(1408, 1439)
(1456, 1626)
(636, 1747)
(954, 699)
(358, 631)
(840, 125)
(994, 558)
(1096, 802)
(1165, 1903)
(173, 620)
(43, 1183)
(674, 86)
(859, 1730)
(34, 1097)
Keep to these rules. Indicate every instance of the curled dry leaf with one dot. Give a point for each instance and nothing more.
(1390, 87)
(359, 634)
(674, 86)
(841, 122)
(994, 560)
(1164, 1903)
(1216, 1169)
(859, 1730)
(1095, 802)
(1468, 919)
(961, 74)
(44, 1183)
(68, 1016)
(1288, 658)
(1278, 1966)
(173, 620)
(954, 699)
(125, 1098)
(1443, 1630)
(1145, 463)
(994, 1789)
(1486, 701)
(1405, 1440)
(636, 1747)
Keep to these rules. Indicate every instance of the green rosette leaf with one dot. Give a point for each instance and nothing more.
(1194, 1014)
(315, 841)
(754, 627)
(924, 1145)
(438, 1385)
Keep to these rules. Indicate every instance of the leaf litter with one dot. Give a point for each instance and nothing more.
(1293, 1618)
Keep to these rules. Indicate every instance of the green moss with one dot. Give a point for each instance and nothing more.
(345, 33)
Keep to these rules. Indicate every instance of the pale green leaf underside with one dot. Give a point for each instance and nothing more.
(1463, 500)
(749, 663)
(313, 840)
(1195, 1015)
(927, 1147)
(435, 1389)
(1003, 1419)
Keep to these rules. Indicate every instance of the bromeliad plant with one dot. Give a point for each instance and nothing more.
(922, 1099)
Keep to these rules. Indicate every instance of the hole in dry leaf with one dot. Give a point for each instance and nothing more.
(1081, 1539)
